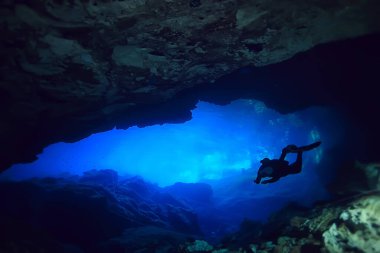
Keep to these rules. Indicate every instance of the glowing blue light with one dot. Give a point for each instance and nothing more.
(217, 140)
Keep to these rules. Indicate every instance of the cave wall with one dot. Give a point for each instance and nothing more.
(73, 68)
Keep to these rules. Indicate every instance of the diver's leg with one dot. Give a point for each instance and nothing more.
(286, 150)
(296, 167)
(283, 154)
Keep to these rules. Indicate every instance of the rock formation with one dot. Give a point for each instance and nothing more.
(347, 223)
(93, 213)
(71, 68)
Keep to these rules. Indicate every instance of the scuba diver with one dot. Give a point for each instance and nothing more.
(277, 168)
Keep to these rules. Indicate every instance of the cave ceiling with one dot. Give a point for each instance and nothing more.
(71, 68)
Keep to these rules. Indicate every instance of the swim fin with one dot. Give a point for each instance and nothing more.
(294, 149)
(310, 146)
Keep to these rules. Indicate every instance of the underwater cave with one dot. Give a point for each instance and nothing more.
(201, 126)
(208, 162)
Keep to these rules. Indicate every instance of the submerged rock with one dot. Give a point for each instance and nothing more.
(83, 213)
(106, 178)
(145, 239)
(94, 214)
(358, 228)
(348, 224)
(199, 246)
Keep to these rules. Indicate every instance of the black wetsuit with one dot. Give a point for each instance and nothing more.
(277, 168)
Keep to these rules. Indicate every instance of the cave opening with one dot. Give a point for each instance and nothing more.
(208, 163)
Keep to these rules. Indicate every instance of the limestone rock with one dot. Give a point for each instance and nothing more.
(350, 224)
(72, 68)
(358, 228)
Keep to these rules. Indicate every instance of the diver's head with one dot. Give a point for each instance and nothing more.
(265, 161)
(265, 169)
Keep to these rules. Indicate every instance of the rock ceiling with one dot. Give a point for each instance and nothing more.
(71, 68)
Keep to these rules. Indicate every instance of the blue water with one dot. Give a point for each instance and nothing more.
(221, 145)
(216, 140)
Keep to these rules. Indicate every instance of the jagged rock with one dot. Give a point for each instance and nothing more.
(83, 213)
(145, 239)
(358, 228)
(73, 68)
(350, 224)
(199, 246)
(106, 178)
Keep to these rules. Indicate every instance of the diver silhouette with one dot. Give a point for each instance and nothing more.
(277, 168)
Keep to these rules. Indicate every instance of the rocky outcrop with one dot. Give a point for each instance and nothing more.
(87, 214)
(358, 228)
(350, 222)
(72, 68)
(102, 212)
(351, 225)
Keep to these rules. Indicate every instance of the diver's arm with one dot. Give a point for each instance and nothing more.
(258, 179)
(272, 180)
